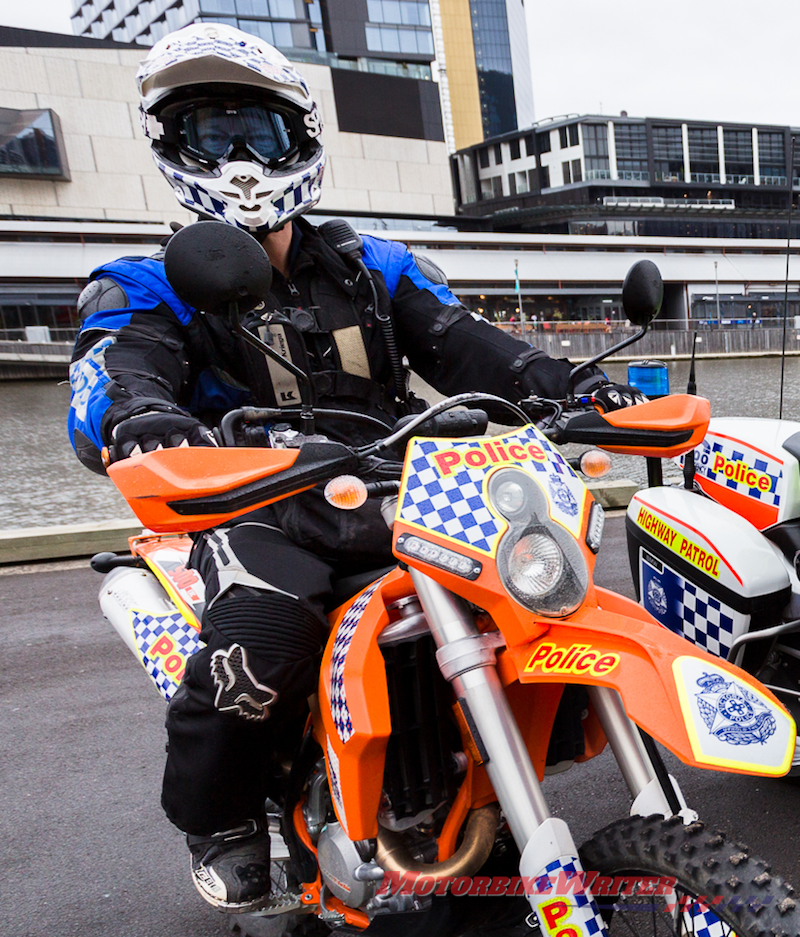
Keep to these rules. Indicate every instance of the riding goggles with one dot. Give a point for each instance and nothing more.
(212, 131)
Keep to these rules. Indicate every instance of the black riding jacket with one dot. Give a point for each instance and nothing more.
(141, 348)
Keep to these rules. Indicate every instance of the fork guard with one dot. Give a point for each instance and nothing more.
(707, 712)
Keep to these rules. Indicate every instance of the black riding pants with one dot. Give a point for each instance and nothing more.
(244, 694)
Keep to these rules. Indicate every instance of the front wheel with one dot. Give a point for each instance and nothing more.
(699, 884)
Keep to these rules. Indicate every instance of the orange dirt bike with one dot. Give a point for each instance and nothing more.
(452, 682)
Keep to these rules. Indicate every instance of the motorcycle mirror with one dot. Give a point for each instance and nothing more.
(211, 264)
(642, 293)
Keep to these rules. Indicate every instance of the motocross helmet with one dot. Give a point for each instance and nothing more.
(232, 126)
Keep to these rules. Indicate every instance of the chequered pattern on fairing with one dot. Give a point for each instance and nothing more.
(570, 867)
(704, 462)
(148, 629)
(699, 921)
(341, 645)
(688, 610)
(455, 505)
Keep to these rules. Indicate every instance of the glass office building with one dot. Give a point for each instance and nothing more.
(636, 176)
(394, 38)
(480, 47)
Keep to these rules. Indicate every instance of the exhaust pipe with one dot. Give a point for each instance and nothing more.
(480, 830)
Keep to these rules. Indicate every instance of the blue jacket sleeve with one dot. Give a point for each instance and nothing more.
(127, 355)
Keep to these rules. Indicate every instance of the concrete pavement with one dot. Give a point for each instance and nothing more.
(84, 848)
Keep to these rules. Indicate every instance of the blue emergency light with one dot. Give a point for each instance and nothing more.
(650, 377)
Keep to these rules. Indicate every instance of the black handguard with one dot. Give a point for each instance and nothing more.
(149, 431)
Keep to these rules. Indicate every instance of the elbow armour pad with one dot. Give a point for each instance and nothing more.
(430, 270)
(101, 294)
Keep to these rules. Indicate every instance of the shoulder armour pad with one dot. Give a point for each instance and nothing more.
(429, 269)
(101, 294)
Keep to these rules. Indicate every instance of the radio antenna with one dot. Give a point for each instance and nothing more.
(786, 284)
(691, 388)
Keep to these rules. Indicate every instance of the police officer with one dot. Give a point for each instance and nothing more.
(235, 132)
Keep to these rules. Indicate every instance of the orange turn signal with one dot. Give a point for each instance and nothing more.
(594, 463)
(346, 492)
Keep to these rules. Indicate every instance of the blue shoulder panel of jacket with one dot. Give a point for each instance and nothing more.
(146, 285)
(394, 260)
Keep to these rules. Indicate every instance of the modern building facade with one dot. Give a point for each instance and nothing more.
(595, 175)
(368, 45)
(382, 36)
(72, 155)
(474, 52)
(488, 68)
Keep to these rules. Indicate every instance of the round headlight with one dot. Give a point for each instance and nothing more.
(536, 564)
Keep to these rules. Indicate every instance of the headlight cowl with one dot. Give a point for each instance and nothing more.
(539, 562)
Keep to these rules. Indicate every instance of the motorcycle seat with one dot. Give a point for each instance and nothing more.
(348, 586)
(786, 537)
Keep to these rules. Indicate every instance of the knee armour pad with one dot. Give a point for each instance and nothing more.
(272, 645)
(277, 627)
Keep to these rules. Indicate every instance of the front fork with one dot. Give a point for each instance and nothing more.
(466, 658)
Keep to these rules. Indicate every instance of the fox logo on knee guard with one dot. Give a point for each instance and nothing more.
(237, 689)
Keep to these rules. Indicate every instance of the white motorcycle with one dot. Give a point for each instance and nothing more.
(717, 560)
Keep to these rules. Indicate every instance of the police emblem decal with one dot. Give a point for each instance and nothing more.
(732, 713)
(656, 596)
(562, 496)
(237, 689)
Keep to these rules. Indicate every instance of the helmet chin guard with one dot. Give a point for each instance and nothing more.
(206, 59)
(246, 195)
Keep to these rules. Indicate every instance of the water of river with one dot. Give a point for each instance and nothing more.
(42, 482)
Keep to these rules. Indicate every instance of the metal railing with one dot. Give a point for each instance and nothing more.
(773, 180)
(704, 177)
(656, 201)
(658, 343)
(634, 175)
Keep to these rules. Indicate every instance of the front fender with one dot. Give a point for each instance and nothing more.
(703, 709)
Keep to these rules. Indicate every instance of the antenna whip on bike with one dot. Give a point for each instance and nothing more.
(786, 284)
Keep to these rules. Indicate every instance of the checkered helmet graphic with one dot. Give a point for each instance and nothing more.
(232, 126)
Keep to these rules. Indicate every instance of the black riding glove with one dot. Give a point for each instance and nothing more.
(148, 431)
(616, 396)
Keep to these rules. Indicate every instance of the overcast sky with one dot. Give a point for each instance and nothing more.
(731, 60)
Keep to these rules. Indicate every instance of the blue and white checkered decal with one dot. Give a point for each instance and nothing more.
(453, 507)
(164, 643)
(735, 452)
(699, 921)
(341, 645)
(455, 504)
(688, 610)
(584, 915)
